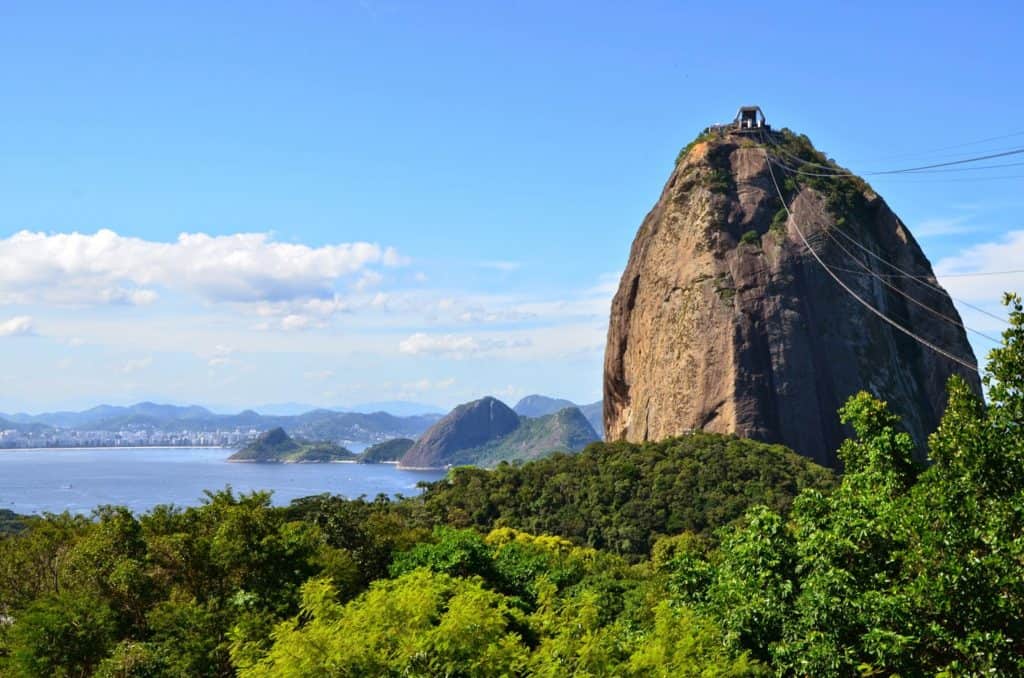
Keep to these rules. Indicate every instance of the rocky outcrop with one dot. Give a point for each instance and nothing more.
(486, 432)
(468, 425)
(566, 430)
(724, 321)
(276, 446)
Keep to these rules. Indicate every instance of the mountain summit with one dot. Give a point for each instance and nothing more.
(486, 431)
(725, 321)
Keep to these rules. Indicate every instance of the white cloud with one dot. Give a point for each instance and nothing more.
(107, 268)
(143, 297)
(368, 280)
(19, 325)
(990, 257)
(294, 322)
(455, 346)
(135, 365)
(942, 226)
(977, 277)
(450, 344)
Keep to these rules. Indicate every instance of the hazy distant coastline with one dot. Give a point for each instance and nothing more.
(116, 447)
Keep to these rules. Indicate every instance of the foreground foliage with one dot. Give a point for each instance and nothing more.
(621, 496)
(896, 569)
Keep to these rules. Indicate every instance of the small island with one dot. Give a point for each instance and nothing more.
(277, 447)
(387, 452)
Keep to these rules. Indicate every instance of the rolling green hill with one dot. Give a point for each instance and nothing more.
(276, 446)
(564, 431)
(389, 450)
(486, 431)
(621, 496)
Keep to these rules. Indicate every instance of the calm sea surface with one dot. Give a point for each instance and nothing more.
(33, 481)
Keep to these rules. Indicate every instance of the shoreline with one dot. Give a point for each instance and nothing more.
(289, 461)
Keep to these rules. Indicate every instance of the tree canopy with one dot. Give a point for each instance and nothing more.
(697, 556)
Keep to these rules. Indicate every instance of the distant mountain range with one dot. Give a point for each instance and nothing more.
(313, 425)
(410, 420)
(539, 405)
(487, 431)
(399, 408)
(31, 427)
(103, 414)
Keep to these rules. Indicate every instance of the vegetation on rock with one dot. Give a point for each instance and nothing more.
(724, 321)
(539, 405)
(277, 446)
(389, 450)
(564, 431)
(486, 431)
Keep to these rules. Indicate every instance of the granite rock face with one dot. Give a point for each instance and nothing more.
(724, 321)
(467, 426)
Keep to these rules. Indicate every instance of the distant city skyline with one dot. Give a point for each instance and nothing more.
(364, 202)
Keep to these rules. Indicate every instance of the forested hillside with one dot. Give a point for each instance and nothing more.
(622, 496)
(894, 569)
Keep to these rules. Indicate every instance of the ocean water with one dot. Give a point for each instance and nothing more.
(34, 481)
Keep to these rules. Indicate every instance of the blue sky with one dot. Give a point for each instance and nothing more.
(494, 158)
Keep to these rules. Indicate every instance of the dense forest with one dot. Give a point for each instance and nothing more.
(698, 556)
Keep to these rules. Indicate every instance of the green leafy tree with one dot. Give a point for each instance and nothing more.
(32, 562)
(685, 645)
(62, 635)
(460, 553)
(110, 560)
(135, 660)
(421, 623)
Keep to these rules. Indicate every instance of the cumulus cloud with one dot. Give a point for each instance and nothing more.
(943, 226)
(19, 325)
(984, 258)
(368, 280)
(454, 346)
(107, 268)
(295, 322)
(135, 365)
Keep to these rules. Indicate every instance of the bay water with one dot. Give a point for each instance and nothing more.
(78, 480)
